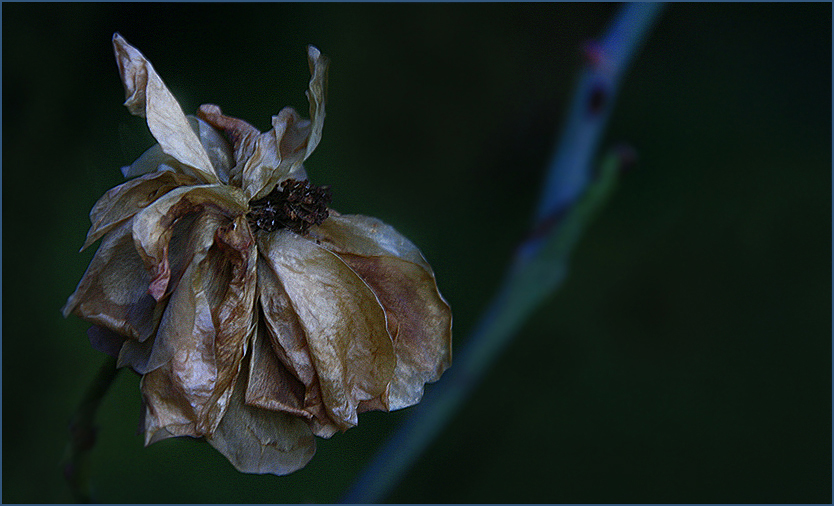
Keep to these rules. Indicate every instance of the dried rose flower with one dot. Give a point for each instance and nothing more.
(256, 315)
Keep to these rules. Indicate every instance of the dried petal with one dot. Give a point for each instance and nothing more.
(241, 133)
(271, 385)
(289, 343)
(148, 97)
(152, 160)
(419, 320)
(217, 149)
(203, 334)
(367, 236)
(105, 340)
(345, 326)
(259, 441)
(125, 200)
(113, 293)
(280, 153)
(153, 226)
(316, 95)
(277, 155)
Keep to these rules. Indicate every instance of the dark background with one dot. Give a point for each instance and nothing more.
(686, 359)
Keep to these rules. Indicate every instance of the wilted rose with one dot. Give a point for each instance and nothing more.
(256, 315)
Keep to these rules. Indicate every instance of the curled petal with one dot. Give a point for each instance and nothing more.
(153, 226)
(344, 323)
(289, 344)
(316, 95)
(148, 97)
(366, 236)
(277, 155)
(125, 200)
(217, 149)
(137, 355)
(419, 320)
(265, 160)
(203, 335)
(257, 440)
(271, 386)
(242, 134)
(113, 293)
(151, 160)
(105, 340)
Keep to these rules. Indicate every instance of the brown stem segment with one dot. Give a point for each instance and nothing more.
(76, 464)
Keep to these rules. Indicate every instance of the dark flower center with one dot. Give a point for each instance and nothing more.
(296, 205)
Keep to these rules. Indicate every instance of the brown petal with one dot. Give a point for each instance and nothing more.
(271, 386)
(203, 334)
(127, 199)
(153, 226)
(113, 293)
(217, 149)
(280, 153)
(242, 134)
(148, 97)
(259, 441)
(289, 344)
(316, 95)
(367, 236)
(419, 320)
(345, 325)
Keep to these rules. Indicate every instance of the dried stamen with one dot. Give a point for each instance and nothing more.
(296, 205)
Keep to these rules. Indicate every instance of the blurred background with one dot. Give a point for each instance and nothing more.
(687, 358)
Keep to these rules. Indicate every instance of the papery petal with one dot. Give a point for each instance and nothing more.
(136, 355)
(260, 441)
(367, 236)
(203, 335)
(187, 317)
(280, 153)
(153, 226)
(271, 386)
(105, 340)
(344, 323)
(148, 97)
(217, 148)
(242, 134)
(419, 320)
(155, 159)
(125, 200)
(316, 95)
(289, 344)
(113, 293)
(149, 161)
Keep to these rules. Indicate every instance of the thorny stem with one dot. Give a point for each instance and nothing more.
(558, 223)
(76, 464)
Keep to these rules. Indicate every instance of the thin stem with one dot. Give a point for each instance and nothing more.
(570, 198)
(607, 60)
(83, 432)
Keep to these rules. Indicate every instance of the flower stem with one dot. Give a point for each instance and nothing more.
(76, 464)
(571, 197)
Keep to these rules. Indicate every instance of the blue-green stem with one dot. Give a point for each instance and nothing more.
(571, 197)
